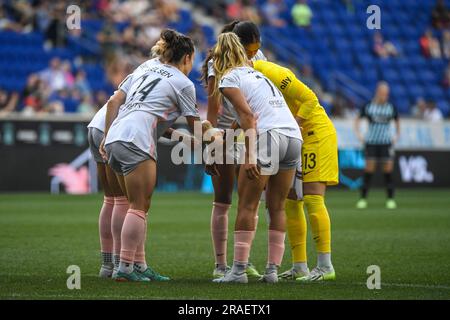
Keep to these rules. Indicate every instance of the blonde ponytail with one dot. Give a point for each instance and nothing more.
(227, 55)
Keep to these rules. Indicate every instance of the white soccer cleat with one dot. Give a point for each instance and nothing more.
(219, 272)
(271, 277)
(293, 274)
(105, 271)
(233, 277)
(319, 274)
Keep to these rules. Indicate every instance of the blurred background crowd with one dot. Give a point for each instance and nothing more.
(47, 68)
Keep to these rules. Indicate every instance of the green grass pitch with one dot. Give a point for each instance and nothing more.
(41, 235)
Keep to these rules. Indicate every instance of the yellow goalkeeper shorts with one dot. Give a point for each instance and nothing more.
(320, 158)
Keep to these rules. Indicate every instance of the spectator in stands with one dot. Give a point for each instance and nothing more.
(418, 110)
(54, 76)
(8, 24)
(302, 14)
(440, 16)
(56, 33)
(430, 45)
(66, 69)
(86, 106)
(81, 83)
(33, 95)
(168, 9)
(272, 10)
(432, 113)
(382, 48)
(8, 101)
(250, 12)
(243, 10)
(101, 97)
(55, 107)
(446, 80)
(446, 44)
(42, 16)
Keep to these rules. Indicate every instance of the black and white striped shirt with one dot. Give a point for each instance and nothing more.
(380, 117)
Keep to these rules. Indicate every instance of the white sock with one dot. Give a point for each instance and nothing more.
(116, 261)
(300, 266)
(324, 260)
(238, 267)
(271, 267)
(125, 267)
(141, 266)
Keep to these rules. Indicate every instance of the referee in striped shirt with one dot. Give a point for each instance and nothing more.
(379, 142)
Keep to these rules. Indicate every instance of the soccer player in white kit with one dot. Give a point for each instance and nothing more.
(220, 114)
(115, 203)
(263, 114)
(159, 92)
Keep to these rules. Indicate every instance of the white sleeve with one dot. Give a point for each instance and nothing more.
(211, 72)
(259, 56)
(187, 101)
(230, 80)
(125, 85)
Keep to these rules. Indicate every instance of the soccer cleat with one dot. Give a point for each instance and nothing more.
(152, 275)
(361, 204)
(391, 204)
(130, 277)
(292, 274)
(233, 277)
(219, 272)
(319, 274)
(251, 271)
(271, 277)
(106, 271)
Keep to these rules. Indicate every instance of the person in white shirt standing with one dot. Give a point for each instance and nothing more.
(273, 147)
(159, 92)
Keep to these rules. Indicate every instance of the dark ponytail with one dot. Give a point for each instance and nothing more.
(172, 46)
(247, 32)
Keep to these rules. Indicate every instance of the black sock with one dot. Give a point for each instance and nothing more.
(389, 185)
(366, 184)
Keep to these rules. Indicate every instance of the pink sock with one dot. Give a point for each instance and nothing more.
(133, 232)
(104, 225)
(139, 257)
(276, 246)
(118, 216)
(242, 244)
(219, 231)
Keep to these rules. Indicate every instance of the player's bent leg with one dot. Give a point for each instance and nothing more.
(388, 167)
(249, 194)
(277, 190)
(104, 224)
(297, 231)
(119, 212)
(139, 184)
(368, 173)
(321, 230)
(223, 190)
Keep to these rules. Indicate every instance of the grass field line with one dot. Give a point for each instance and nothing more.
(411, 285)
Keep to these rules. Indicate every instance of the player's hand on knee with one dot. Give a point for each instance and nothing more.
(102, 150)
(211, 169)
(252, 171)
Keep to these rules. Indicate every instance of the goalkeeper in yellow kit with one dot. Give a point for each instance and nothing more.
(319, 169)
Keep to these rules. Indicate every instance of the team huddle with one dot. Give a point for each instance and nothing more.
(288, 148)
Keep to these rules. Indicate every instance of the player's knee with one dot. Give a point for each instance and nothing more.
(223, 197)
(314, 203)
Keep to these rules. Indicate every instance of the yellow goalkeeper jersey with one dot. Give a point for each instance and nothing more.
(302, 101)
